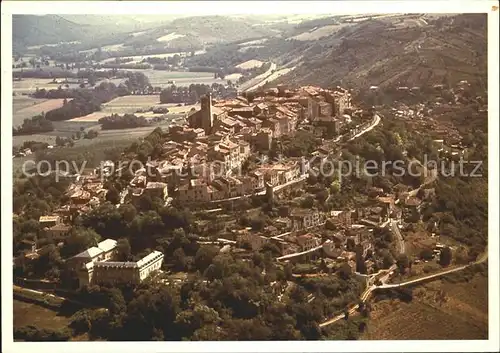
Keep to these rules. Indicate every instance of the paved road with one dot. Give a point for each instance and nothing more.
(366, 294)
(375, 122)
(481, 259)
(256, 82)
(399, 236)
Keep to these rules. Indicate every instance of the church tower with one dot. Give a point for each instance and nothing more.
(207, 117)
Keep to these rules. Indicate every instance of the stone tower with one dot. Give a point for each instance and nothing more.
(207, 118)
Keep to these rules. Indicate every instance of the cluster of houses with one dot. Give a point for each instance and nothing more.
(301, 240)
(202, 160)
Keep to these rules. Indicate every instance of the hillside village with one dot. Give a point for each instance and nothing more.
(208, 165)
(261, 208)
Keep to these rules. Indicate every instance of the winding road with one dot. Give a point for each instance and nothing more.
(366, 294)
(257, 81)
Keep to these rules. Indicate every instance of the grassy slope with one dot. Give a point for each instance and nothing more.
(375, 53)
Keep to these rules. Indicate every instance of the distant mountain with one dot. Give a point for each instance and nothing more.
(31, 30)
(124, 23)
(48, 29)
(384, 54)
(216, 29)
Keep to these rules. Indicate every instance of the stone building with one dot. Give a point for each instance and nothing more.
(96, 266)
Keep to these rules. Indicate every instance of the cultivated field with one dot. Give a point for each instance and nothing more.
(27, 85)
(439, 310)
(233, 77)
(131, 104)
(250, 64)
(19, 140)
(139, 58)
(244, 49)
(113, 47)
(20, 102)
(320, 32)
(161, 78)
(169, 37)
(37, 107)
(254, 42)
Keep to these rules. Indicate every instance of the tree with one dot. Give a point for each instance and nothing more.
(335, 187)
(345, 271)
(403, 263)
(116, 302)
(123, 250)
(91, 134)
(113, 195)
(179, 260)
(387, 259)
(78, 240)
(204, 257)
(426, 254)
(322, 195)
(346, 314)
(288, 269)
(307, 202)
(445, 257)
(128, 212)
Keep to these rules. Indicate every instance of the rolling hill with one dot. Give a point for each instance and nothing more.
(380, 53)
(49, 29)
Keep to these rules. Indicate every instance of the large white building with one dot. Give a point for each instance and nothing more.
(95, 265)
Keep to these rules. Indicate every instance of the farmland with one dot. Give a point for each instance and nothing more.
(320, 32)
(131, 104)
(169, 37)
(439, 310)
(181, 78)
(22, 110)
(29, 85)
(254, 42)
(139, 58)
(19, 140)
(21, 102)
(250, 64)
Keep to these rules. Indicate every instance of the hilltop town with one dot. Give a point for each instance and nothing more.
(274, 213)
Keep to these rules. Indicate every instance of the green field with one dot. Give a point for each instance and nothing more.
(131, 104)
(161, 78)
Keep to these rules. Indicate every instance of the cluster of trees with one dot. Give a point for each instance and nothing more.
(126, 121)
(151, 146)
(191, 94)
(84, 102)
(461, 209)
(303, 143)
(227, 299)
(131, 66)
(34, 146)
(32, 333)
(182, 94)
(53, 93)
(88, 101)
(35, 125)
(164, 63)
